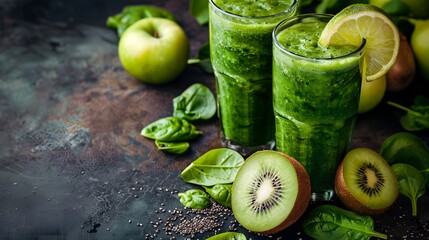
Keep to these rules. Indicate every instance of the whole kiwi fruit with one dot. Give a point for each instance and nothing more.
(365, 182)
(271, 191)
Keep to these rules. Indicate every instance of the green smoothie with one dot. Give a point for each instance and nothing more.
(315, 97)
(241, 55)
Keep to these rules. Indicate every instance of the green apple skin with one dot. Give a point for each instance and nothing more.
(154, 50)
(371, 94)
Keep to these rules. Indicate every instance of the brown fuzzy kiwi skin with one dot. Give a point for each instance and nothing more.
(303, 197)
(350, 201)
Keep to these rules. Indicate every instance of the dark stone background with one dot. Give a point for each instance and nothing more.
(72, 162)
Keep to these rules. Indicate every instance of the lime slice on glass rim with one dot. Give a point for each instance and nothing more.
(358, 21)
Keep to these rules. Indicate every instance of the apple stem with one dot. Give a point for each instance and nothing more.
(193, 61)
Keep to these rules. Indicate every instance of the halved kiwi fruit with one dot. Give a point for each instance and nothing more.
(270, 192)
(365, 182)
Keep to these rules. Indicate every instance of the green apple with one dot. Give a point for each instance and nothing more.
(371, 94)
(154, 50)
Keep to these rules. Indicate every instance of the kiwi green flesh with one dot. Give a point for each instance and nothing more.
(264, 191)
(369, 178)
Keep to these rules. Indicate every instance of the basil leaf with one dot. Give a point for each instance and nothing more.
(411, 183)
(170, 129)
(203, 59)
(172, 147)
(195, 198)
(328, 222)
(196, 102)
(133, 13)
(200, 10)
(394, 143)
(228, 236)
(221, 193)
(217, 166)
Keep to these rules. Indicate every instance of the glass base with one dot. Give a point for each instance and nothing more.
(322, 196)
(247, 150)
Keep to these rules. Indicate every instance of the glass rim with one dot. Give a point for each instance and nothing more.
(230, 14)
(302, 16)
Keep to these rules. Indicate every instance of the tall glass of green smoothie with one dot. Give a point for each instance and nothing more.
(315, 98)
(240, 52)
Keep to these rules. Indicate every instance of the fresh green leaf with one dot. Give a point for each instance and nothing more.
(228, 236)
(217, 166)
(195, 198)
(196, 102)
(411, 183)
(170, 129)
(203, 59)
(396, 8)
(417, 115)
(398, 141)
(133, 13)
(416, 157)
(305, 3)
(404, 147)
(221, 193)
(328, 222)
(200, 10)
(172, 147)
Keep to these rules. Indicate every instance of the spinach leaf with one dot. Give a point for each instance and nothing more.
(330, 222)
(217, 166)
(411, 183)
(172, 147)
(416, 157)
(404, 147)
(417, 116)
(228, 236)
(396, 142)
(170, 129)
(221, 193)
(200, 10)
(196, 102)
(195, 198)
(133, 13)
(203, 59)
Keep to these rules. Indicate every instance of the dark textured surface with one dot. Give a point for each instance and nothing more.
(72, 162)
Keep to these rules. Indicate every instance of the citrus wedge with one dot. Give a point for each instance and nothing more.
(358, 21)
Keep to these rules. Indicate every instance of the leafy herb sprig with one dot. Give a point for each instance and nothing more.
(417, 116)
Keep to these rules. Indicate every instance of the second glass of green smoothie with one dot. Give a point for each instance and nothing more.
(240, 52)
(315, 96)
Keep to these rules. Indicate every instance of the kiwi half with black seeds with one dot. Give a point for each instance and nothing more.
(365, 182)
(271, 191)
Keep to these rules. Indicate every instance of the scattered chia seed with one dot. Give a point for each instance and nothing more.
(188, 223)
(405, 227)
